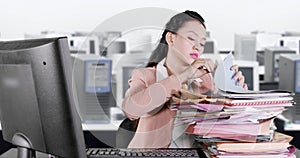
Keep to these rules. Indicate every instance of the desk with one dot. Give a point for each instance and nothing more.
(113, 126)
(100, 135)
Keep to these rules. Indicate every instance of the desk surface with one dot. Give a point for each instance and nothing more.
(112, 126)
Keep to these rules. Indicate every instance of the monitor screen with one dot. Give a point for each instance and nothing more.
(250, 71)
(37, 107)
(98, 75)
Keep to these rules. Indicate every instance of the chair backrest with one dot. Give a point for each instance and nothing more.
(126, 132)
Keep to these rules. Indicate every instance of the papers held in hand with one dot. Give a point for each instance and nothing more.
(223, 77)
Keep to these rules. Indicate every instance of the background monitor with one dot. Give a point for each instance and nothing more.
(116, 47)
(250, 71)
(292, 42)
(84, 44)
(245, 47)
(37, 106)
(289, 79)
(92, 79)
(271, 61)
(209, 47)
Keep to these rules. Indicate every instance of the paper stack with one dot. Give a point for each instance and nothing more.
(236, 124)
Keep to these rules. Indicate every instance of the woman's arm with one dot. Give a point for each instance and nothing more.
(145, 94)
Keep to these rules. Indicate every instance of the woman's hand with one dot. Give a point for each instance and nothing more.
(207, 84)
(239, 76)
(197, 69)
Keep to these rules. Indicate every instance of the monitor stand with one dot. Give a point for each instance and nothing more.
(26, 153)
(24, 146)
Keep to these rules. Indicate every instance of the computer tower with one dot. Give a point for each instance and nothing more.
(289, 75)
(92, 80)
(271, 62)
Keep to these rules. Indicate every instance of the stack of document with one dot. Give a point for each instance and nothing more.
(235, 122)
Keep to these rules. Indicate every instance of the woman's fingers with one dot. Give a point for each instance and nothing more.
(241, 81)
(239, 76)
(205, 65)
(235, 68)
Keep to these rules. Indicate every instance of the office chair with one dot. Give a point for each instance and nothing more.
(126, 132)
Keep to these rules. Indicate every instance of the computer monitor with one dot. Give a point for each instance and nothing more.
(289, 79)
(266, 39)
(245, 47)
(250, 70)
(271, 61)
(92, 79)
(209, 47)
(116, 47)
(37, 106)
(84, 44)
(292, 42)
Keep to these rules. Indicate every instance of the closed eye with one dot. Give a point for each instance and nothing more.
(190, 38)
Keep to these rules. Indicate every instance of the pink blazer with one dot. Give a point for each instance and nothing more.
(145, 100)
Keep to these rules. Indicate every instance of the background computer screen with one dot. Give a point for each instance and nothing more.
(250, 71)
(248, 74)
(98, 75)
(36, 99)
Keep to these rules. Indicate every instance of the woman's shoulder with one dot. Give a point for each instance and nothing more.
(146, 70)
(147, 73)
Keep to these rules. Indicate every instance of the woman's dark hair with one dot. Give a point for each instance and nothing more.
(175, 23)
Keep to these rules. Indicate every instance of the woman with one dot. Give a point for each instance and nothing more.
(175, 62)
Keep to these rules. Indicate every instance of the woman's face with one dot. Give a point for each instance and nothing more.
(189, 41)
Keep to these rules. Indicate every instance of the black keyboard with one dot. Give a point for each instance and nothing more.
(143, 153)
